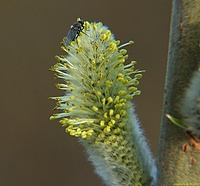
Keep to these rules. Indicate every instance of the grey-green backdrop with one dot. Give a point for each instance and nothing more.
(33, 150)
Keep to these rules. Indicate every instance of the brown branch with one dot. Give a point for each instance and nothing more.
(175, 164)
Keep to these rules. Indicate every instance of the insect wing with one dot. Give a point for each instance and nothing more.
(70, 37)
(73, 32)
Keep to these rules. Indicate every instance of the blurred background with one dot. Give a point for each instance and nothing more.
(33, 150)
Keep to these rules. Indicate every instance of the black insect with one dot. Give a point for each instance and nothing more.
(74, 32)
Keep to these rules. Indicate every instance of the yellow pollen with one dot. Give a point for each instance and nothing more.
(103, 101)
(94, 108)
(100, 30)
(103, 37)
(83, 134)
(98, 93)
(108, 32)
(110, 100)
(101, 75)
(102, 123)
(92, 83)
(70, 110)
(95, 27)
(111, 112)
(107, 129)
(117, 116)
(90, 132)
(105, 115)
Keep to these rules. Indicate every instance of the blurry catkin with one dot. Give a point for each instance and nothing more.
(190, 105)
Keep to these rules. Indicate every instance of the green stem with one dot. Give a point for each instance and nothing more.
(179, 160)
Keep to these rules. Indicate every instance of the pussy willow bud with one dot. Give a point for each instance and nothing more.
(96, 106)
